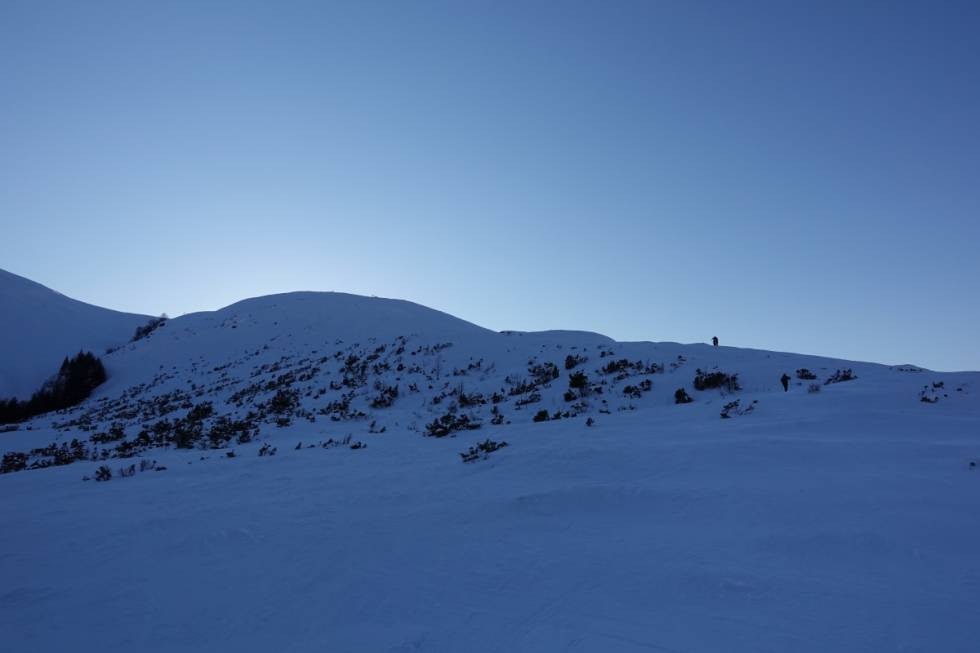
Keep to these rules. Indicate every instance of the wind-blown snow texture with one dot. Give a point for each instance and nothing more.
(40, 327)
(843, 519)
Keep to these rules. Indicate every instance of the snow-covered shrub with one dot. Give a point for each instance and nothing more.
(813, 388)
(467, 400)
(840, 376)
(572, 361)
(386, 397)
(51, 455)
(450, 423)
(733, 408)
(930, 395)
(614, 367)
(521, 388)
(636, 391)
(541, 416)
(481, 450)
(186, 433)
(706, 380)
(340, 410)
(543, 373)
(103, 473)
(148, 328)
(681, 396)
(284, 401)
(330, 443)
(223, 429)
(266, 450)
(578, 381)
(532, 398)
(805, 375)
(13, 461)
(116, 432)
(201, 411)
(498, 417)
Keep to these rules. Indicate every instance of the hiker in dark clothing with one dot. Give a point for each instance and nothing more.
(714, 341)
(785, 382)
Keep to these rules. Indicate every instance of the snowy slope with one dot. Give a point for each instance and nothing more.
(39, 327)
(841, 518)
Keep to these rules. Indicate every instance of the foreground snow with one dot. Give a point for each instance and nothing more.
(852, 529)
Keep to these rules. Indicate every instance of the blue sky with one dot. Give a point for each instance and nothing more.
(795, 176)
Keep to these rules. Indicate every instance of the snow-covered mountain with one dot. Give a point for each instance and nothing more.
(351, 362)
(39, 327)
(322, 471)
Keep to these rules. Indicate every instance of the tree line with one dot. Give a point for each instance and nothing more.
(73, 384)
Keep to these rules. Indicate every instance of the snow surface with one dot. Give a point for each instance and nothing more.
(39, 327)
(844, 519)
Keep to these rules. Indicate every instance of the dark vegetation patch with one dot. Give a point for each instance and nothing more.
(709, 380)
(148, 328)
(450, 423)
(75, 381)
(681, 396)
(841, 376)
(734, 408)
(482, 450)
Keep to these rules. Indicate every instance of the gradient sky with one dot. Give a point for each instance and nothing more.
(800, 176)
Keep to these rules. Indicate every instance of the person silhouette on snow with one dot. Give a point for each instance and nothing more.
(714, 341)
(785, 381)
